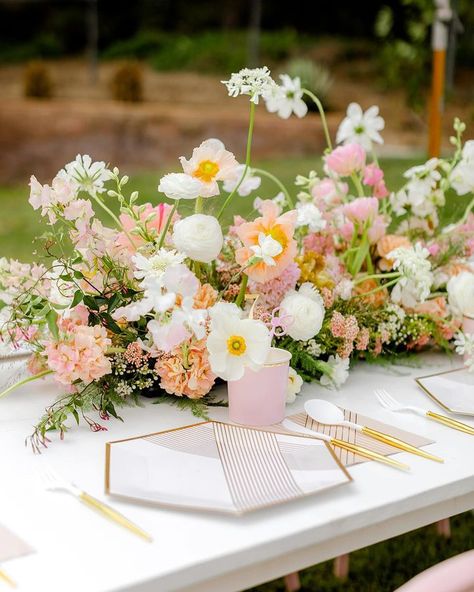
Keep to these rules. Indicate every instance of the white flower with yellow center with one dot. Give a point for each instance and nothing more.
(209, 163)
(266, 250)
(235, 344)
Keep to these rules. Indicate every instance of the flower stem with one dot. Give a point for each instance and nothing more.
(277, 182)
(358, 184)
(378, 288)
(167, 225)
(465, 216)
(198, 207)
(25, 381)
(114, 218)
(374, 276)
(323, 115)
(243, 288)
(247, 161)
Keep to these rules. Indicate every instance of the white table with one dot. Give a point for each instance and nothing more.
(77, 550)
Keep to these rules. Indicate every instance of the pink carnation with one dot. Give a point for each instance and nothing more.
(346, 160)
(80, 355)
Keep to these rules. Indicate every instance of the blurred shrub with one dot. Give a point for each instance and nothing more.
(37, 81)
(315, 77)
(127, 83)
(43, 46)
(212, 51)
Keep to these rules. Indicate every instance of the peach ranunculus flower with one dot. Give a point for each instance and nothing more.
(280, 229)
(205, 297)
(436, 307)
(154, 226)
(186, 371)
(211, 162)
(386, 245)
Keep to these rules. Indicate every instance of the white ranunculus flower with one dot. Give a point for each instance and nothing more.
(198, 236)
(180, 186)
(461, 293)
(306, 309)
(267, 249)
(295, 382)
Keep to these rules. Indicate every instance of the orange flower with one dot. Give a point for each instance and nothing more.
(205, 297)
(186, 371)
(280, 228)
(386, 245)
(436, 307)
(377, 299)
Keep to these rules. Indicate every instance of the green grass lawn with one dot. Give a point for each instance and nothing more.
(380, 568)
(19, 224)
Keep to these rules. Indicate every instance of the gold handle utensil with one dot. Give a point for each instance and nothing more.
(450, 422)
(397, 443)
(366, 453)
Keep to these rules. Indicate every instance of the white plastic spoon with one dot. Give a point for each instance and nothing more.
(327, 413)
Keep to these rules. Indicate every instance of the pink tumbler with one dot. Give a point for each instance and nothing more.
(259, 398)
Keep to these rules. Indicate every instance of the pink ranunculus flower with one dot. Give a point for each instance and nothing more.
(154, 226)
(346, 160)
(79, 355)
(361, 209)
(329, 191)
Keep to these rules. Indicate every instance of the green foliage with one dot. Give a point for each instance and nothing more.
(43, 46)
(211, 51)
(127, 83)
(37, 81)
(198, 407)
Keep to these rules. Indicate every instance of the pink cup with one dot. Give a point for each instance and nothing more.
(259, 398)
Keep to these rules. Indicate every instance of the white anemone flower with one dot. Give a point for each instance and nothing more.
(210, 162)
(249, 184)
(255, 82)
(267, 249)
(180, 186)
(235, 344)
(89, 176)
(309, 215)
(287, 98)
(361, 127)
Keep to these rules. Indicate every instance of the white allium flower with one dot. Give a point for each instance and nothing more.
(309, 215)
(199, 236)
(235, 344)
(461, 293)
(464, 343)
(89, 176)
(155, 266)
(180, 186)
(250, 183)
(267, 249)
(295, 382)
(306, 309)
(287, 98)
(416, 276)
(361, 127)
(255, 82)
(338, 372)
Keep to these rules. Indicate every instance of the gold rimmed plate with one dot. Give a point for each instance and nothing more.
(219, 467)
(452, 390)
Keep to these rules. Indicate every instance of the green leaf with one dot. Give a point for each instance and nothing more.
(52, 318)
(78, 296)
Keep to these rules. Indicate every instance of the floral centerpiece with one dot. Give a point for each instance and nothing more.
(164, 302)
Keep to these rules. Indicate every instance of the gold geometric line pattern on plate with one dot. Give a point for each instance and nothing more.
(200, 440)
(355, 437)
(254, 467)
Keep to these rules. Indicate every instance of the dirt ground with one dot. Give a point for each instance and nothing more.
(179, 111)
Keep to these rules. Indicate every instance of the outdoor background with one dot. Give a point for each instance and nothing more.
(137, 84)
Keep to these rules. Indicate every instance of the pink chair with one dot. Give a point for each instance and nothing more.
(453, 575)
